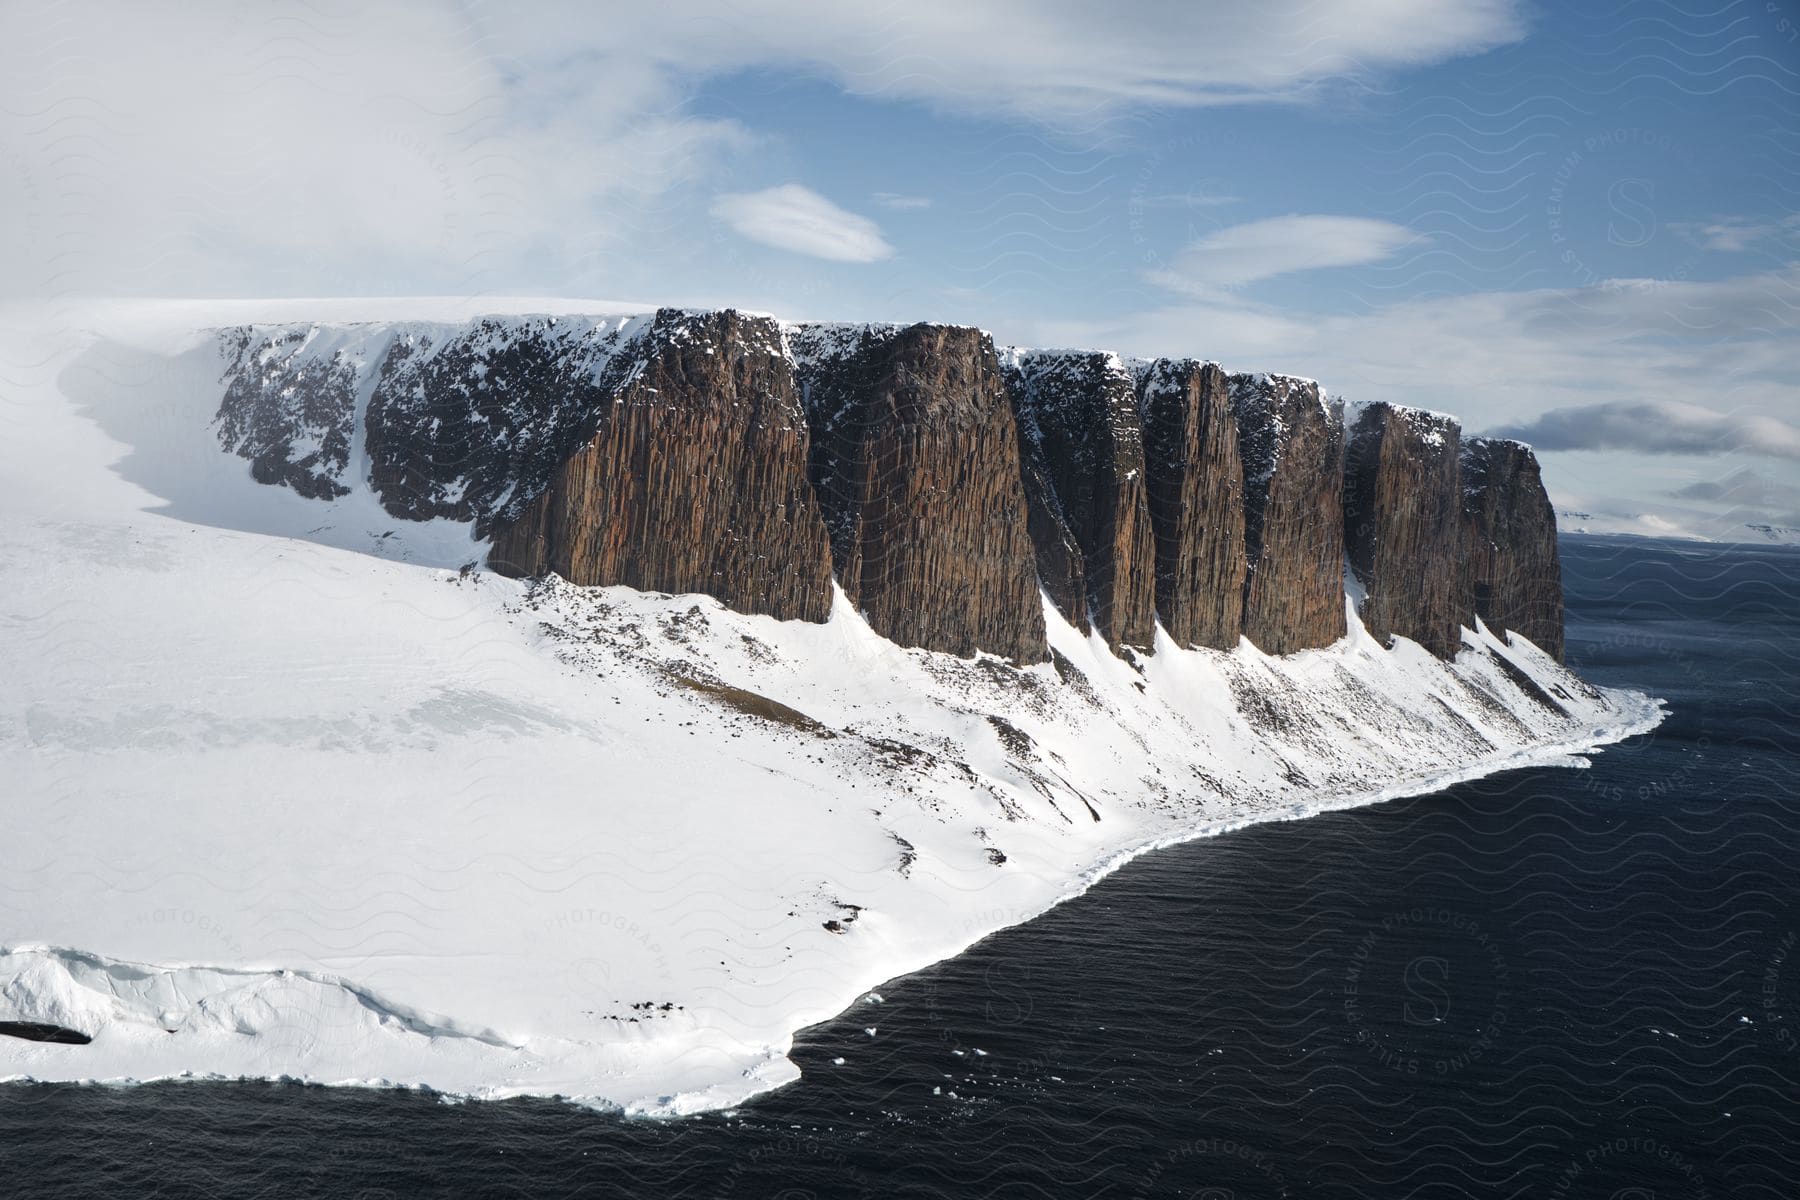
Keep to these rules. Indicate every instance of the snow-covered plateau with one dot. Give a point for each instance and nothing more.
(294, 790)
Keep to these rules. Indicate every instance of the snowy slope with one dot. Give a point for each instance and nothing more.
(294, 793)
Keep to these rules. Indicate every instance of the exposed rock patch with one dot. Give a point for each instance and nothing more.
(468, 424)
(288, 411)
(1512, 575)
(693, 479)
(946, 487)
(1403, 524)
(915, 462)
(1196, 501)
(1083, 450)
(1291, 442)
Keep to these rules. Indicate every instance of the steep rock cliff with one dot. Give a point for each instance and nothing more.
(1291, 442)
(1403, 514)
(915, 462)
(1059, 559)
(944, 484)
(1511, 573)
(694, 479)
(289, 407)
(468, 423)
(1083, 451)
(1195, 480)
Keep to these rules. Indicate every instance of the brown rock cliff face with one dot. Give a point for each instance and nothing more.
(1292, 448)
(1403, 525)
(730, 455)
(1511, 573)
(1083, 451)
(1195, 488)
(915, 461)
(693, 481)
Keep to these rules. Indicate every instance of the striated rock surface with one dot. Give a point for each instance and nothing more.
(693, 479)
(1512, 576)
(1196, 500)
(1403, 516)
(1060, 563)
(1291, 442)
(289, 407)
(947, 487)
(915, 462)
(1083, 454)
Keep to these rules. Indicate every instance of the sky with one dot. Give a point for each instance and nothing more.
(1574, 223)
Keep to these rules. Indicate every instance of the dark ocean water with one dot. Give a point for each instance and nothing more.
(1548, 984)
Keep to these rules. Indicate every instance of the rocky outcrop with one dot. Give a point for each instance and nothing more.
(1511, 574)
(693, 479)
(468, 423)
(1403, 516)
(1060, 568)
(289, 408)
(915, 462)
(1291, 442)
(947, 488)
(1196, 498)
(1083, 454)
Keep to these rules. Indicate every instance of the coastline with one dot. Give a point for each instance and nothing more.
(375, 819)
(473, 1056)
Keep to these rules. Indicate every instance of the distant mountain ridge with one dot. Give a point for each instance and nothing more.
(938, 479)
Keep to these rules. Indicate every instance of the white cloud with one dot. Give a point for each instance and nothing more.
(1747, 488)
(1658, 427)
(1069, 62)
(270, 149)
(1734, 235)
(1243, 254)
(1499, 359)
(896, 200)
(282, 147)
(791, 217)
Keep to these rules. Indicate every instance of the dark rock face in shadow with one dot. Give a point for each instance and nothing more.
(1403, 525)
(694, 479)
(1083, 453)
(1292, 446)
(915, 462)
(1511, 573)
(1195, 490)
(469, 424)
(288, 412)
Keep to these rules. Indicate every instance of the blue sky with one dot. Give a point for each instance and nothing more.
(1577, 222)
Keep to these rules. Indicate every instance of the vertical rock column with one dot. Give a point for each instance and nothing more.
(1196, 499)
(1083, 456)
(1403, 524)
(1292, 447)
(694, 479)
(1512, 576)
(915, 461)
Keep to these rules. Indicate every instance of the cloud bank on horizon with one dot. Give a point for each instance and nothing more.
(1659, 427)
(1502, 212)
